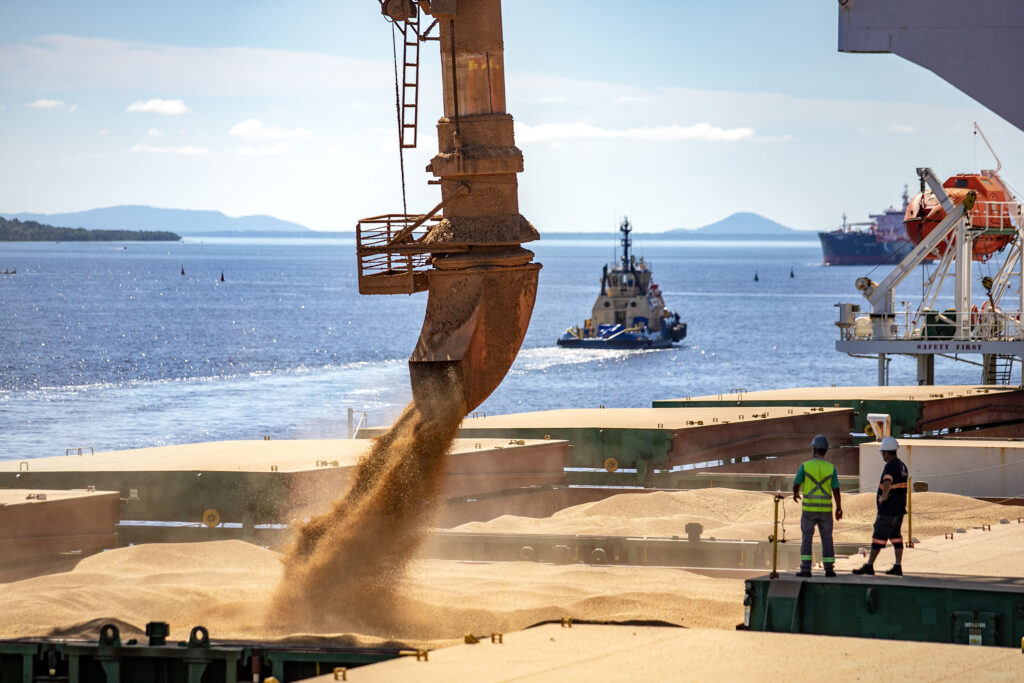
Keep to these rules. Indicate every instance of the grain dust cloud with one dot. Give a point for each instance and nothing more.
(342, 567)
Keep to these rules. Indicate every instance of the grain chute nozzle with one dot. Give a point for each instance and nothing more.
(475, 322)
(467, 250)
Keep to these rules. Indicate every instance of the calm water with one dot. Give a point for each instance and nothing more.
(109, 346)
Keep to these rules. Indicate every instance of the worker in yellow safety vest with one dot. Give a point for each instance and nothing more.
(818, 481)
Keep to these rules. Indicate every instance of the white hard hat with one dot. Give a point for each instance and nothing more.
(889, 444)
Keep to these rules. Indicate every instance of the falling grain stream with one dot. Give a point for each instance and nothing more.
(343, 566)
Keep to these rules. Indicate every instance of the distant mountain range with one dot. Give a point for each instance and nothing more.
(180, 221)
(742, 225)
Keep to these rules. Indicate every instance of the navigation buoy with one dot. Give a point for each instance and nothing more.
(791, 272)
(755, 276)
(222, 276)
(183, 270)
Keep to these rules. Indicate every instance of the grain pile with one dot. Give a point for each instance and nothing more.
(342, 569)
(733, 514)
(221, 585)
(228, 586)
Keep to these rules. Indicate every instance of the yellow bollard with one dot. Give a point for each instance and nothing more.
(775, 540)
(910, 513)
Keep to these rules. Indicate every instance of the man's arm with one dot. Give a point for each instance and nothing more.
(835, 494)
(797, 481)
(796, 493)
(886, 485)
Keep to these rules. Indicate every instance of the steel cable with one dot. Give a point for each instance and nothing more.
(398, 112)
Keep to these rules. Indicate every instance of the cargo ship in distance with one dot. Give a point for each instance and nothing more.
(629, 312)
(883, 239)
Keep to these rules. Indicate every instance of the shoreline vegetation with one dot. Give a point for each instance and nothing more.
(31, 231)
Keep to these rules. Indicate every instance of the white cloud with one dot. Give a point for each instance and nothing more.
(187, 150)
(898, 128)
(73, 109)
(630, 99)
(547, 132)
(887, 129)
(264, 150)
(154, 133)
(103, 131)
(46, 104)
(253, 129)
(72, 62)
(3, 106)
(553, 99)
(337, 150)
(158, 106)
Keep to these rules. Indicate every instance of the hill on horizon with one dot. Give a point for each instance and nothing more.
(180, 221)
(740, 223)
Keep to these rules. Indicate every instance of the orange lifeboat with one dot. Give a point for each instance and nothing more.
(992, 210)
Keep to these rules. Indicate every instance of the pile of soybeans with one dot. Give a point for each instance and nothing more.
(235, 589)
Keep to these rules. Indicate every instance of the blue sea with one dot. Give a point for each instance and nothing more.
(109, 346)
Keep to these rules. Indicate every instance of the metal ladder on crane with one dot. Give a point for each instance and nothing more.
(410, 80)
(998, 369)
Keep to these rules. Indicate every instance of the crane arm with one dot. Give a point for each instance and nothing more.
(880, 295)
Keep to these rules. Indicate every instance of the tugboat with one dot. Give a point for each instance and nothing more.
(629, 312)
(884, 240)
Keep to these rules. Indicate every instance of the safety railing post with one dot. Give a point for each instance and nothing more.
(775, 540)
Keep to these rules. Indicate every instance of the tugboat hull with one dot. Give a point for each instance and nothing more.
(598, 343)
(625, 340)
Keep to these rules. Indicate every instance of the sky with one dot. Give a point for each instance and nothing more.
(677, 113)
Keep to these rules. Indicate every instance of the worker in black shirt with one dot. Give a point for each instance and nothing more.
(892, 506)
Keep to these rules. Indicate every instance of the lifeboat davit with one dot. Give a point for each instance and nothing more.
(992, 210)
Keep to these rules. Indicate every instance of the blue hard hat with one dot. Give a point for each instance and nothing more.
(889, 444)
(820, 442)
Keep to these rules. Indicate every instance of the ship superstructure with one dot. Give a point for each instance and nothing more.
(629, 311)
(883, 239)
(969, 218)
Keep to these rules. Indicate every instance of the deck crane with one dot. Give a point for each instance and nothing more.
(467, 250)
(993, 329)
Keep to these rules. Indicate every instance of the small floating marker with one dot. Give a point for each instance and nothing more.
(791, 272)
(183, 270)
(755, 276)
(222, 276)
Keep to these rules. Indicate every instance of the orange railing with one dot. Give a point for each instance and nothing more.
(391, 258)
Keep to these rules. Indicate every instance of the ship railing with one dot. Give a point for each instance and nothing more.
(392, 258)
(392, 253)
(996, 217)
(624, 330)
(983, 325)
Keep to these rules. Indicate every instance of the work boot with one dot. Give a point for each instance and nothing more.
(866, 569)
(830, 572)
(804, 573)
(896, 570)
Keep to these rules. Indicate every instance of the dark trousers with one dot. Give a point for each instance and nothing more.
(823, 521)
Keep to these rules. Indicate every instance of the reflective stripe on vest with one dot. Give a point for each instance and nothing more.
(817, 485)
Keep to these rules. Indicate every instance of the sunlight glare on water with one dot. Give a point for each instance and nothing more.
(113, 348)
